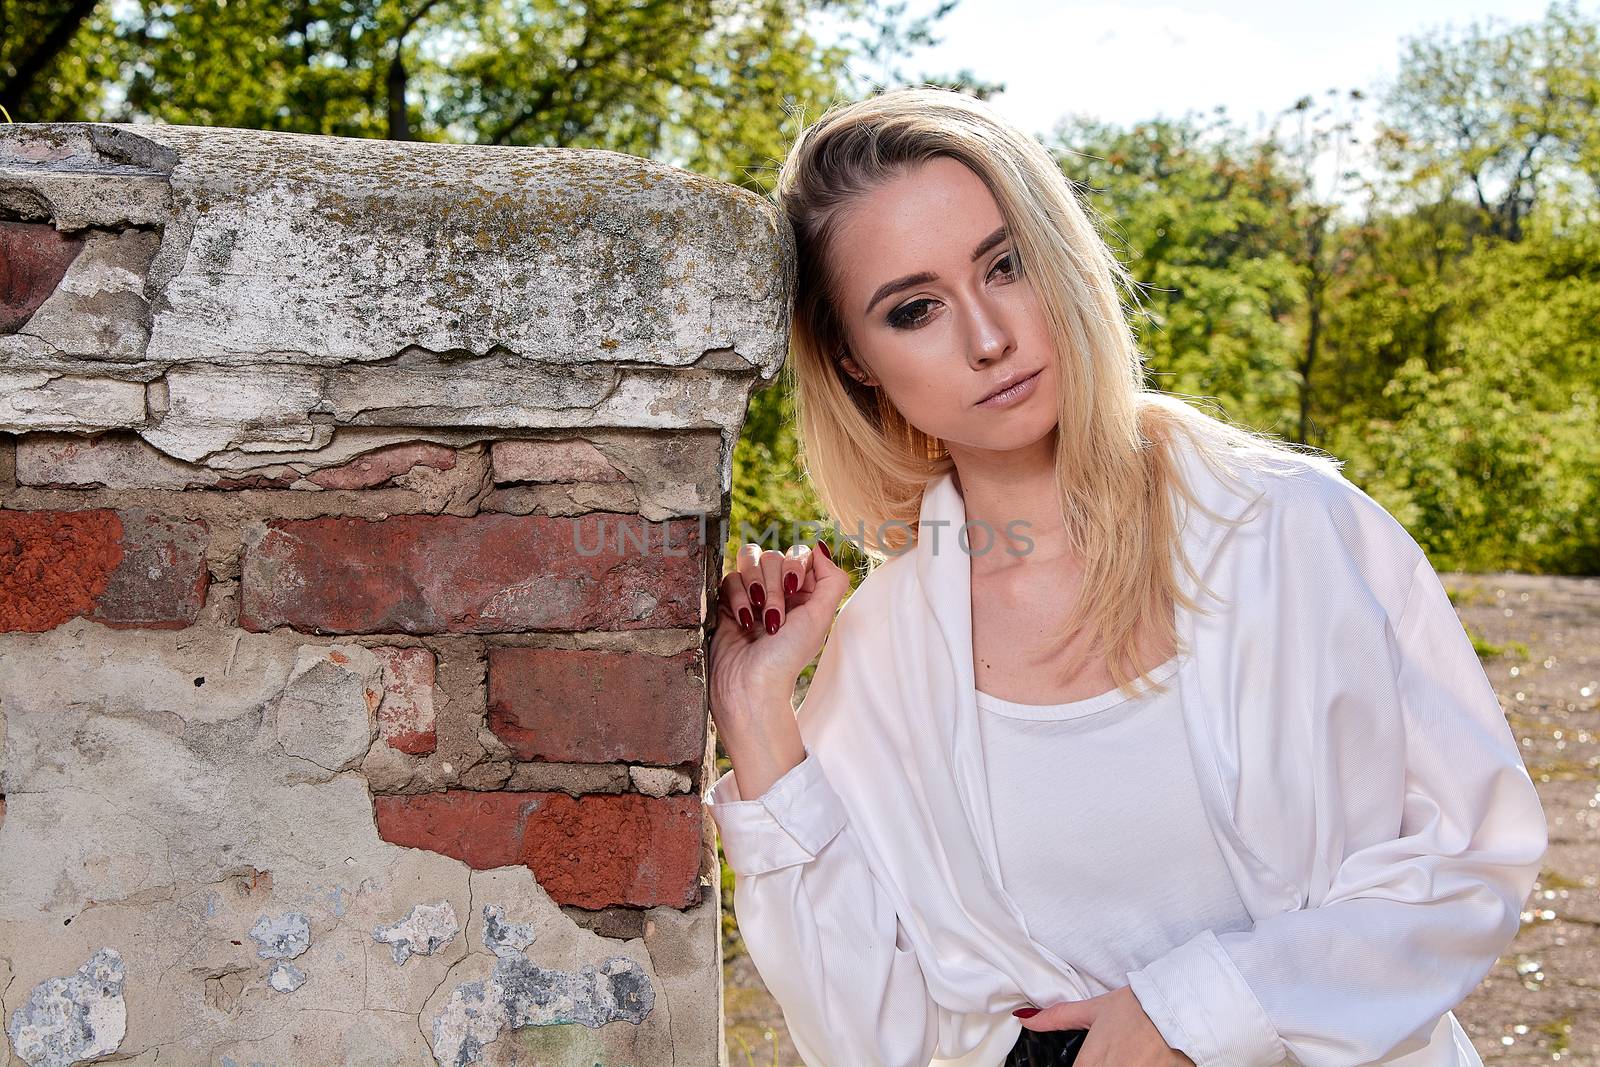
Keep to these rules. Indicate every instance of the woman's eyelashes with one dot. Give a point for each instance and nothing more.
(901, 318)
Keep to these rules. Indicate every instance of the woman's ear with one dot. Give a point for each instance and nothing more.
(852, 368)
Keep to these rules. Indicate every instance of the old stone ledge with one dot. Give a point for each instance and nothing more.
(248, 292)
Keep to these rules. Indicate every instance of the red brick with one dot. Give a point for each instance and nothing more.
(492, 573)
(589, 706)
(567, 460)
(123, 569)
(161, 583)
(594, 851)
(34, 257)
(482, 829)
(405, 718)
(597, 851)
(372, 469)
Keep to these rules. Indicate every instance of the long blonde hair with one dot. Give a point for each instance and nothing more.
(1114, 440)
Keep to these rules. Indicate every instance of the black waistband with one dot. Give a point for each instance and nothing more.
(1046, 1048)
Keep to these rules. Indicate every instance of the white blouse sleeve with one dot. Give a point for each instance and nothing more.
(1415, 918)
(823, 935)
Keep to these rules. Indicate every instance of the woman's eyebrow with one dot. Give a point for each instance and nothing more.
(890, 288)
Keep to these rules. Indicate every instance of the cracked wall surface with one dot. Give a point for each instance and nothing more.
(359, 510)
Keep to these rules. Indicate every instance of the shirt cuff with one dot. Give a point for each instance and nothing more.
(787, 825)
(1203, 1007)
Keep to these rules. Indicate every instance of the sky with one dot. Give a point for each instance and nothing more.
(1140, 59)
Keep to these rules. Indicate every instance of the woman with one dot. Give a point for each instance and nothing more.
(1158, 733)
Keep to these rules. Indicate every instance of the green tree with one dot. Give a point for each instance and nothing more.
(1197, 211)
(38, 60)
(1506, 113)
(1489, 455)
(1323, 250)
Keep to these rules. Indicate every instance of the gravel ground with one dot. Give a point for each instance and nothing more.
(1541, 1002)
(1540, 641)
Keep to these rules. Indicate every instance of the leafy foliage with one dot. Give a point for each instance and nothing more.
(1441, 341)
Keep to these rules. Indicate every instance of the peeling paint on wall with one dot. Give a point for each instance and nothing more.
(501, 937)
(424, 931)
(521, 993)
(68, 1020)
(285, 977)
(284, 937)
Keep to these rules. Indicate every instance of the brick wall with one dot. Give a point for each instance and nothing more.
(358, 517)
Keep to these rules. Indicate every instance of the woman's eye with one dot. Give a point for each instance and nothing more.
(902, 319)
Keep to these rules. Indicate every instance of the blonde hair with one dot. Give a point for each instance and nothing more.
(1114, 438)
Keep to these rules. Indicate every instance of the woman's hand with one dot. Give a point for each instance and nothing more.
(773, 615)
(1120, 1033)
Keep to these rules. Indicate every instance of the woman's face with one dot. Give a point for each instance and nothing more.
(935, 314)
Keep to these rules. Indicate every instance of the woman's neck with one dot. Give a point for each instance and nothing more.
(1013, 499)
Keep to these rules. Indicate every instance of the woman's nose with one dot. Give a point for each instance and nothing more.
(991, 337)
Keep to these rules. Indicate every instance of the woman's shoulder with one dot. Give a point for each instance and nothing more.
(1306, 488)
(1316, 518)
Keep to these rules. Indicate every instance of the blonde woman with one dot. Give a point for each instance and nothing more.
(1146, 740)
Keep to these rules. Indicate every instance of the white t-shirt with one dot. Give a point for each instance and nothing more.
(1102, 840)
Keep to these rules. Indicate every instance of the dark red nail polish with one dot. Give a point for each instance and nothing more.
(772, 620)
(746, 620)
(1025, 1013)
(825, 550)
(758, 596)
(791, 582)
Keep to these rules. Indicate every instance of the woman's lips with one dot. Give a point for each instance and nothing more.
(1015, 394)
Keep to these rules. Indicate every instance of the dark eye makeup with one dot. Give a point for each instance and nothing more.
(901, 317)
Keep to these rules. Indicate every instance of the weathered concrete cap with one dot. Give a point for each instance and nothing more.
(522, 284)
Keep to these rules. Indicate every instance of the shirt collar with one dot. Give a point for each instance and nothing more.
(944, 569)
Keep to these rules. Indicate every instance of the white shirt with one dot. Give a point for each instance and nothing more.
(1101, 830)
(1356, 769)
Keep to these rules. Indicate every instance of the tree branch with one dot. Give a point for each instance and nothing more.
(44, 53)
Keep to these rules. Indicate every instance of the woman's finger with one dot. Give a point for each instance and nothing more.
(795, 568)
(772, 589)
(820, 563)
(736, 602)
(749, 562)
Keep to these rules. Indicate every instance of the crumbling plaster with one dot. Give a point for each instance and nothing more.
(180, 823)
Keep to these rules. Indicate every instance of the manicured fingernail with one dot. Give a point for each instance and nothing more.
(826, 551)
(758, 596)
(745, 618)
(772, 620)
(791, 582)
(1025, 1013)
